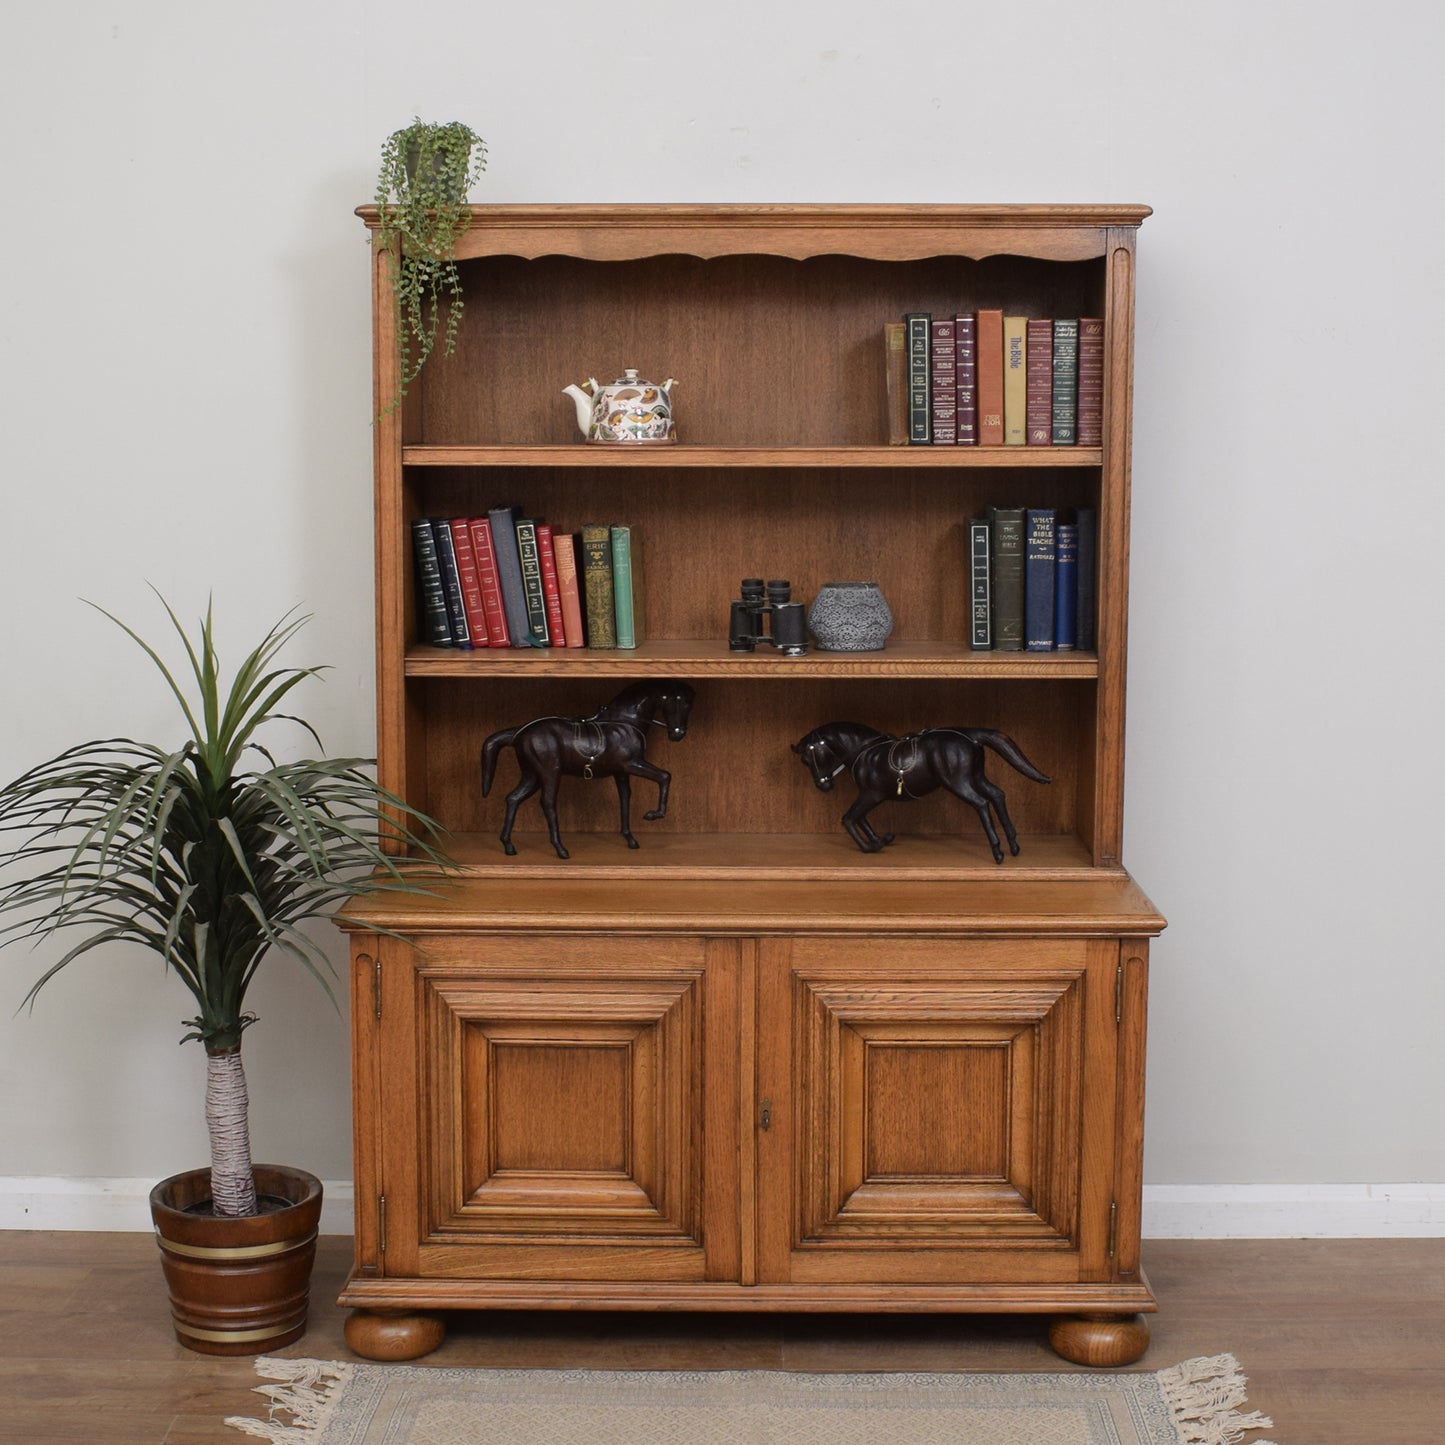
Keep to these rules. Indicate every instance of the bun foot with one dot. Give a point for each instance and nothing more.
(393, 1337)
(1101, 1341)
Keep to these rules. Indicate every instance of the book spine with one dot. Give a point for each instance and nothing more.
(471, 581)
(918, 372)
(1066, 586)
(624, 588)
(551, 595)
(965, 342)
(1091, 381)
(1015, 380)
(451, 582)
(895, 368)
(1006, 569)
(509, 569)
(531, 562)
(980, 636)
(1087, 521)
(1039, 573)
(431, 598)
(497, 634)
(942, 383)
(1039, 405)
(1066, 383)
(564, 555)
(597, 585)
(990, 378)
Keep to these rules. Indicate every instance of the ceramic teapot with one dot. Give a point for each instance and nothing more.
(629, 411)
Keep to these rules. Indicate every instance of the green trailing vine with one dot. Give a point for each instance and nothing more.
(421, 196)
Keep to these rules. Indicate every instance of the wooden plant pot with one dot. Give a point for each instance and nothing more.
(238, 1286)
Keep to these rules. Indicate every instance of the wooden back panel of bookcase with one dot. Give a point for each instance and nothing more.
(771, 319)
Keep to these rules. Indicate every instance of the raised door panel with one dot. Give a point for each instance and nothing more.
(566, 1099)
(940, 1111)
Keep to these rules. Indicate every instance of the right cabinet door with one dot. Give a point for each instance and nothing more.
(937, 1111)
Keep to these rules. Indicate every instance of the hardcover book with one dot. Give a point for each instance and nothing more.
(431, 601)
(451, 582)
(1006, 576)
(918, 374)
(1039, 344)
(503, 522)
(980, 632)
(990, 378)
(530, 559)
(942, 383)
(1066, 586)
(1039, 569)
(626, 586)
(564, 554)
(895, 370)
(470, 580)
(497, 634)
(1015, 380)
(1087, 521)
(1091, 381)
(1066, 383)
(599, 608)
(965, 345)
(551, 594)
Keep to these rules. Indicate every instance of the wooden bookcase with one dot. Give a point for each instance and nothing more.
(747, 1066)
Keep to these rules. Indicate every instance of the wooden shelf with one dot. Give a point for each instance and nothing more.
(580, 454)
(705, 657)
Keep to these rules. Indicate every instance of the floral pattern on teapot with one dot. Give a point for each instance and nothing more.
(629, 411)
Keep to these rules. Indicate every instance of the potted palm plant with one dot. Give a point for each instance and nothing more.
(212, 854)
(421, 198)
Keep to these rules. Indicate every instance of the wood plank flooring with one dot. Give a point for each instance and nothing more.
(1343, 1340)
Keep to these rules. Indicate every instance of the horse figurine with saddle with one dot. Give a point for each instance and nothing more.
(610, 744)
(900, 769)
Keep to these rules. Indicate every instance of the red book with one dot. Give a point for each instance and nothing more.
(990, 378)
(1039, 361)
(1091, 381)
(966, 362)
(497, 634)
(471, 582)
(551, 596)
(564, 557)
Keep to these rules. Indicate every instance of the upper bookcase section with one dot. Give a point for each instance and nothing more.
(884, 233)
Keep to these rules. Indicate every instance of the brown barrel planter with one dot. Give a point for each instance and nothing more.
(238, 1286)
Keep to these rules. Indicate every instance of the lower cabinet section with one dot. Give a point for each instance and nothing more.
(553, 1118)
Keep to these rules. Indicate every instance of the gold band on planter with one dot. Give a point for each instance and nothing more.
(234, 1337)
(249, 1251)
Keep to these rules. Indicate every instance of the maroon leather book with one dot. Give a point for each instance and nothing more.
(990, 378)
(496, 615)
(965, 339)
(1039, 368)
(470, 581)
(551, 595)
(1091, 381)
(943, 383)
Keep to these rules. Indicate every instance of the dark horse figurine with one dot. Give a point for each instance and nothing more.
(609, 744)
(905, 768)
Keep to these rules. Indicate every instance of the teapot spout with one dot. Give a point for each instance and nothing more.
(583, 402)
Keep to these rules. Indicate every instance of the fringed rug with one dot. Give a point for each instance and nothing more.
(317, 1402)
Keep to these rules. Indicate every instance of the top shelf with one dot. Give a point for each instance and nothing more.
(582, 454)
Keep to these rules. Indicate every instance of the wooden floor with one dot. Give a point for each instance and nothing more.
(1343, 1340)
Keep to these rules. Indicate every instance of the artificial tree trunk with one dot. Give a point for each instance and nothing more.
(233, 1182)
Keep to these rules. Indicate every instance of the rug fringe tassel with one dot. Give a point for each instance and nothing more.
(307, 1391)
(1204, 1395)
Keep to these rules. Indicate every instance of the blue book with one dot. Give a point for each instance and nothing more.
(1039, 559)
(509, 574)
(1066, 586)
(1088, 522)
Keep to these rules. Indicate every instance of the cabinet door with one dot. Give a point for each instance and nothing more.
(938, 1112)
(557, 1107)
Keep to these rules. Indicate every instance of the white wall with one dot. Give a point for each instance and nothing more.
(184, 399)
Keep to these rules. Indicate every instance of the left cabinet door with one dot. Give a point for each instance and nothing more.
(549, 1107)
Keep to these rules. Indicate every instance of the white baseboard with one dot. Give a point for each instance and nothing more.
(1171, 1211)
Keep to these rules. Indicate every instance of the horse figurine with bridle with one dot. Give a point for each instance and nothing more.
(609, 744)
(887, 768)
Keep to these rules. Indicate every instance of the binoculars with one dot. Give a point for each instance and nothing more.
(768, 614)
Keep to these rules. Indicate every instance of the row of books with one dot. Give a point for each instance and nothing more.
(987, 379)
(505, 580)
(1032, 579)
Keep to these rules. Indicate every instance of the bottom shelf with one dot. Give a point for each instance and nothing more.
(763, 856)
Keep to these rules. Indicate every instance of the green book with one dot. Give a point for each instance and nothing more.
(626, 579)
(1006, 576)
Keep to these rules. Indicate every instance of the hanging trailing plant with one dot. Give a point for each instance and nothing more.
(421, 197)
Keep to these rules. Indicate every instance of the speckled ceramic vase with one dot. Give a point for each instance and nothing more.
(850, 617)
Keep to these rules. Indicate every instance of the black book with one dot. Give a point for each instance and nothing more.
(431, 599)
(451, 582)
(1006, 577)
(919, 378)
(1088, 524)
(980, 632)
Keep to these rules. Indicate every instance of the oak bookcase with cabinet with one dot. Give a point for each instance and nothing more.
(747, 1066)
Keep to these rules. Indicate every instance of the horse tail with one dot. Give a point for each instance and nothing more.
(1008, 750)
(490, 749)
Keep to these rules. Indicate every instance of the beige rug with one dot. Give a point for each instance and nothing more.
(318, 1402)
